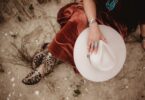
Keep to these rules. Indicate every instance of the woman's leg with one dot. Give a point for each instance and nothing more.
(47, 65)
(142, 29)
(72, 20)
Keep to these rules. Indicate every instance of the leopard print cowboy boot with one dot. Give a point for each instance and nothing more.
(35, 76)
(40, 55)
(50, 62)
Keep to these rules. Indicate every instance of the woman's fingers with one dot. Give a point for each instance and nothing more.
(93, 42)
(92, 47)
(89, 45)
(104, 39)
(96, 46)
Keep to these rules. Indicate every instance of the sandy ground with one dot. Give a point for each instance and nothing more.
(62, 84)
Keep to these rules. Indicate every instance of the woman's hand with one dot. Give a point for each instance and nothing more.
(95, 34)
(94, 37)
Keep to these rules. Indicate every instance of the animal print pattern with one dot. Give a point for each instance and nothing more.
(50, 61)
(37, 59)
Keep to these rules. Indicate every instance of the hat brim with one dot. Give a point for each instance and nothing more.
(82, 63)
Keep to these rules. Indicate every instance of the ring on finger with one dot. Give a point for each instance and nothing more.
(95, 44)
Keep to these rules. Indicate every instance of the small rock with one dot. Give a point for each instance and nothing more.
(37, 92)
(9, 95)
(84, 81)
(69, 88)
(12, 79)
(37, 41)
(67, 98)
(126, 86)
(77, 92)
(8, 98)
(65, 79)
(86, 89)
(20, 94)
(6, 34)
(9, 72)
(11, 33)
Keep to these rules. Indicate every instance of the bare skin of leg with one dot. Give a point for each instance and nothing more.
(142, 29)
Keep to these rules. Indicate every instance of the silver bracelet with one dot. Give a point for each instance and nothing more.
(91, 21)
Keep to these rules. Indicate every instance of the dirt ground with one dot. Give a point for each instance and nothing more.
(21, 36)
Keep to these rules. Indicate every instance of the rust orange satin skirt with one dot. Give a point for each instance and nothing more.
(73, 21)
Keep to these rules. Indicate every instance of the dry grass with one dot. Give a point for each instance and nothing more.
(23, 56)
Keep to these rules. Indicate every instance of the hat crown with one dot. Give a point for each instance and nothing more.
(104, 59)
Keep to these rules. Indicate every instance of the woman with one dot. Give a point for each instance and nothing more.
(122, 15)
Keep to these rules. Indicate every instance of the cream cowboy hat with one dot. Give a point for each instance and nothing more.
(107, 62)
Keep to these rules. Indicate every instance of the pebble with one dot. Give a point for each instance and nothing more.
(126, 86)
(6, 34)
(8, 98)
(20, 94)
(36, 41)
(65, 79)
(11, 33)
(9, 72)
(9, 95)
(12, 79)
(37, 92)
(86, 89)
(67, 98)
(84, 81)
(69, 88)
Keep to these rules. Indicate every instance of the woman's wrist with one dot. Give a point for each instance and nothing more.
(91, 21)
(94, 26)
